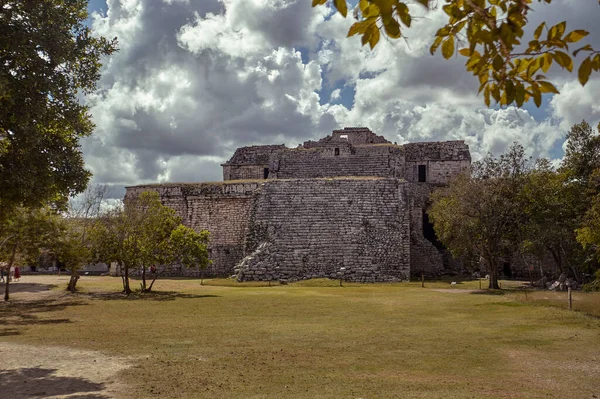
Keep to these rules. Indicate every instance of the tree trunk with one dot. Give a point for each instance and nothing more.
(12, 260)
(143, 278)
(73, 281)
(493, 275)
(126, 288)
(557, 259)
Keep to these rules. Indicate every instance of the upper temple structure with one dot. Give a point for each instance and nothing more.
(351, 205)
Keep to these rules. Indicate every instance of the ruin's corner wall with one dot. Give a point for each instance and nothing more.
(313, 228)
(221, 208)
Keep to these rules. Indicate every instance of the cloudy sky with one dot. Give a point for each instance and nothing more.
(195, 79)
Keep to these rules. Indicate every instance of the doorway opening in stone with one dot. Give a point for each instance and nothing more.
(266, 173)
(422, 173)
(429, 232)
(337, 152)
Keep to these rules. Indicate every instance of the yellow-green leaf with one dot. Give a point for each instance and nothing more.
(557, 30)
(596, 62)
(392, 27)
(497, 63)
(341, 7)
(537, 95)
(585, 69)
(371, 11)
(546, 62)
(355, 29)
(486, 96)
(366, 36)
(448, 47)
(538, 31)
(576, 36)
(547, 87)
(374, 39)
(510, 91)
(402, 10)
(564, 60)
(520, 93)
(465, 52)
(587, 47)
(363, 4)
(318, 2)
(436, 44)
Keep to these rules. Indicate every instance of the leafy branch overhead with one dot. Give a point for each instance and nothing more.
(491, 35)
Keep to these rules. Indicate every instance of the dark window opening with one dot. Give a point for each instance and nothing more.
(422, 173)
(337, 151)
(429, 232)
(266, 173)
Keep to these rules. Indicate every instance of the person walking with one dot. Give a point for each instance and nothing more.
(1, 275)
(17, 273)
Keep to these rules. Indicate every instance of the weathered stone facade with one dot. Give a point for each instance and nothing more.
(350, 205)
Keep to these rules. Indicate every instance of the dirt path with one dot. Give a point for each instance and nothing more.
(57, 372)
(29, 371)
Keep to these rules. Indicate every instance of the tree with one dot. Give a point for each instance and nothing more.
(144, 234)
(489, 33)
(73, 244)
(48, 57)
(184, 248)
(550, 205)
(480, 213)
(23, 234)
(582, 154)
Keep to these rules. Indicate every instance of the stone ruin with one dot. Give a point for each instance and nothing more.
(351, 205)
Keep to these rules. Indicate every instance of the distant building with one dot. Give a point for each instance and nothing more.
(350, 204)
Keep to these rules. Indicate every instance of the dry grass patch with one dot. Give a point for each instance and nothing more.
(310, 340)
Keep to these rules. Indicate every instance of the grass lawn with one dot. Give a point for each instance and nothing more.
(318, 340)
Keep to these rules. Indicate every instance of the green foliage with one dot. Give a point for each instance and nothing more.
(144, 234)
(489, 33)
(582, 154)
(529, 207)
(23, 233)
(187, 247)
(49, 57)
(486, 223)
(594, 285)
(73, 245)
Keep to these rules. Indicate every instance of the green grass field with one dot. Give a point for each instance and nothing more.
(318, 340)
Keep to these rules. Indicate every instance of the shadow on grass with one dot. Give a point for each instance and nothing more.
(14, 314)
(19, 286)
(146, 296)
(38, 382)
(488, 292)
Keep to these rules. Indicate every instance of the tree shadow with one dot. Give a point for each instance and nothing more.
(488, 292)
(146, 296)
(16, 287)
(15, 314)
(38, 382)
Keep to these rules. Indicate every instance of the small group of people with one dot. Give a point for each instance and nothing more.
(14, 274)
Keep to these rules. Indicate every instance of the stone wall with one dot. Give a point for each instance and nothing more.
(249, 162)
(312, 228)
(381, 160)
(442, 160)
(350, 135)
(244, 172)
(437, 172)
(221, 208)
